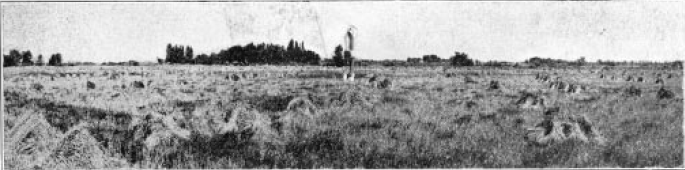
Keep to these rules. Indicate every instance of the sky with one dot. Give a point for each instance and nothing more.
(503, 31)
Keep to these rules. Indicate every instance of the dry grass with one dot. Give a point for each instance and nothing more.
(306, 117)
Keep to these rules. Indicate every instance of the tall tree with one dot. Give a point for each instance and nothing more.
(297, 47)
(55, 60)
(290, 46)
(26, 58)
(169, 53)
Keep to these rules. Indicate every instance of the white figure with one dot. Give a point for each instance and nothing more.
(349, 46)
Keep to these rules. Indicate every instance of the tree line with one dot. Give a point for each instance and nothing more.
(294, 53)
(25, 58)
(458, 59)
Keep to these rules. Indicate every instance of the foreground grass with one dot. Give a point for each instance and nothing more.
(419, 124)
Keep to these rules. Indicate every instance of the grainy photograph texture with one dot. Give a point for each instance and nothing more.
(205, 85)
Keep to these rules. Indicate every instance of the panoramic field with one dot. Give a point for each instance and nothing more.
(307, 117)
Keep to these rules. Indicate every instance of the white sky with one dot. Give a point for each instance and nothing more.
(507, 31)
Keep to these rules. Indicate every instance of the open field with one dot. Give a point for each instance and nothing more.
(307, 117)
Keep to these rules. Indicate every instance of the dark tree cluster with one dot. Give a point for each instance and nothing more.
(125, 63)
(413, 60)
(494, 63)
(432, 58)
(55, 60)
(249, 54)
(537, 62)
(607, 63)
(548, 62)
(179, 54)
(25, 58)
(461, 59)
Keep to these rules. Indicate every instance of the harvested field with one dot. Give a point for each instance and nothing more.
(307, 117)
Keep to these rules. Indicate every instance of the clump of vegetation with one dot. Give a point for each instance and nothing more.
(493, 85)
(664, 94)
(90, 85)
(138, 84)
(37, 86)
(632, 91)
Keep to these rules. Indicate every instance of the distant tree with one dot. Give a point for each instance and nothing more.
(26, 58)
(12, 59)
(461, 59)
(677, 64)
(248, 54)
(291, 45)
(39, 61)
(297, 47)
(133, 63)
(178, 54)
(413, 60)
(189, 54)
(431, 58)
(535, 61)
(581, 61)
(494, 63)
(312, 58)
(203, 59)
(338, 59)
(55, 60)
(8, 61)
(169, 52)
(214, 58)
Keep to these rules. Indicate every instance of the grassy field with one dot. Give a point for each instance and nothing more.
(307, 117)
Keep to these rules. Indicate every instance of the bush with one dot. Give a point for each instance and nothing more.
(37, 86)
(90, 85)
(494, 85)
(664, 94)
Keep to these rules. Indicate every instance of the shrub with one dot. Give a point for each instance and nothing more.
(138, 84)
(664, 94)
(494, 85)
(90, 85)
(37, 86)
